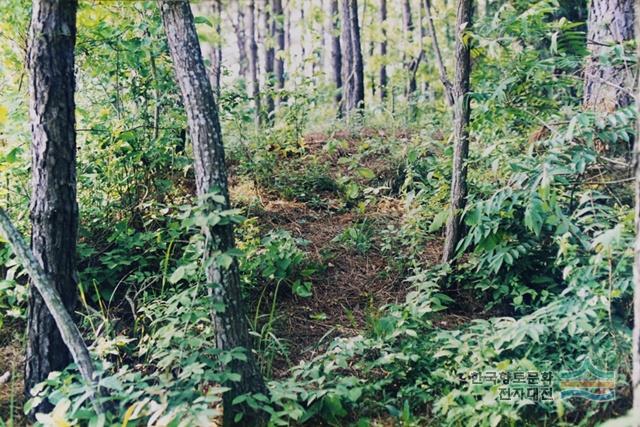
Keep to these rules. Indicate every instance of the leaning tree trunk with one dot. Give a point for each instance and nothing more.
(461, 115)
(336, 53)
(253, 61)
(269, 59)
(64, 322)
(383, 51)
(54, 210)
(610, 24)
(230, 323)
(448, 88)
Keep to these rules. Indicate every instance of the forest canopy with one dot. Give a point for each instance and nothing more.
(319, 212)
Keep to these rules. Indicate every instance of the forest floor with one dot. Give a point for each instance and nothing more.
(348, 290)
(353, 285)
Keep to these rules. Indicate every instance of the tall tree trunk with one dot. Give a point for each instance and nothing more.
(409, 60)
(280, 38)
(352, 63)
(303, 47)
(210, 51)
(461, 115)
(269, 59)
(383, 51)
(323, 42)
(610, 23)
(253, 61)
(347, 56)
(635, 374)
(358, 61)
(54, 209)
(230, 323)
(336, 53)
(241, 41)
(217, 63)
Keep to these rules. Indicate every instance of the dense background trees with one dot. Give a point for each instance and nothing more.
(405, 196)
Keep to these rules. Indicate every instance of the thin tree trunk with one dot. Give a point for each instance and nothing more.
(54, 209)
(448, 88)
(410, 62)
(269, 60)
(352, 63)
(303, 47)
(280, 39)
(610, 23)
(336, 54)
(253, 61)
(241, 40)
(323, 42)
(635, 374)
(383, 51)
(358, 61)
(347, 56)
(461, 115)
(217, 62)
(230, 323)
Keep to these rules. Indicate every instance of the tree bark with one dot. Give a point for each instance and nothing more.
(610, 23)
(280, 42)
(269, 60)
(461, 115)
(383, 51)
(352, 63)
(54, 209)
(210, 51)
(253, 61)
(241, 40)
(230, 323)
(217, 60)
(635, 372)
(411, 63)
(336, 53)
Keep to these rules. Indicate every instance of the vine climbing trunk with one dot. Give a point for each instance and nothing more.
(230, 323)
(54, 210)
(461, 115)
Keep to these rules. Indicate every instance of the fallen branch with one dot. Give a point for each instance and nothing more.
(68, 330)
